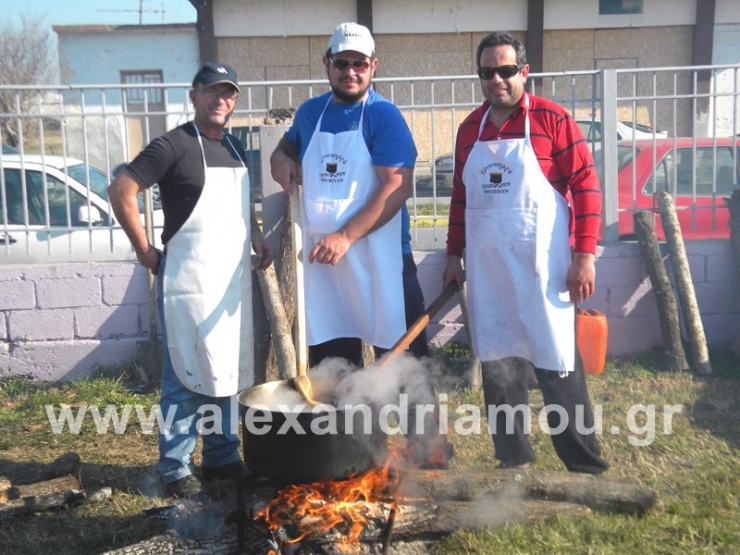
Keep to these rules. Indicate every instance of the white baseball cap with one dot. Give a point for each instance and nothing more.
(352, 36)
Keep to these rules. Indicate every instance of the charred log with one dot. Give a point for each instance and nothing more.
(46, 487)
(595, 492)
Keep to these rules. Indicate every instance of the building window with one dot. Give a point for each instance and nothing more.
(136, 95)
(618, 7)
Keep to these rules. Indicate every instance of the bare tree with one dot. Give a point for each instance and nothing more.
(27, 57)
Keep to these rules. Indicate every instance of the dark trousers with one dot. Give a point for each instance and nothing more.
(429, 448)
(414, 301)
(350, 348)
(505, 384)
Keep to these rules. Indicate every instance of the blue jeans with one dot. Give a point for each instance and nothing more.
(177, 441)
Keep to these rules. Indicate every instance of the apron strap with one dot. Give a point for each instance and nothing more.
(526, 119)
(321, 117)
(228, 140)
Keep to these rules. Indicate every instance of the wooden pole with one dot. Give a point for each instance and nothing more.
(299, 299)
(282, 339)
(685, 287)
(734, 206)
(474, 371)
(664, 298)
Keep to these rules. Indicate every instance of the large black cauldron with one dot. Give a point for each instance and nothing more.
(292, 445)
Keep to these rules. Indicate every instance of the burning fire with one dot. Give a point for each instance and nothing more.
(320, 507)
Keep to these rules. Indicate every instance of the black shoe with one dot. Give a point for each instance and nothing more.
(235, 471)
(186, 488)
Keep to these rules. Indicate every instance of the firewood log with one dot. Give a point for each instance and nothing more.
(685, 287)
(595, 492)
(664, 297)
(280, 327)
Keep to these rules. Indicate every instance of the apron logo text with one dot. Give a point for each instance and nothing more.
(496, 168)
(496, 188)
(331, 164)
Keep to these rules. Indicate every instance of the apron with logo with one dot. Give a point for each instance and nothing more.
(517, 256)
(362, 295)
(207, 287)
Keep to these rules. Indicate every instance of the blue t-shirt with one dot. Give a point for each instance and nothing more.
(386, 134)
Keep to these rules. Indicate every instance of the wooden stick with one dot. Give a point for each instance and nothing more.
(282, 337)
(733, 204)
(421, 322)
(301, 349)
(664, 297)
(686, 295)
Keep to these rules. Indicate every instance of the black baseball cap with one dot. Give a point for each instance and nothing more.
(213, 74)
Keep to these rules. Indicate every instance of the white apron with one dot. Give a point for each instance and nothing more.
(207, 287)
(362, 295)
(517, 256)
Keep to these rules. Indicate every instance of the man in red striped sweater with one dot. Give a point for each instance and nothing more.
(525, 214)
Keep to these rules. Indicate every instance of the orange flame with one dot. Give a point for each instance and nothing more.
(320, 507)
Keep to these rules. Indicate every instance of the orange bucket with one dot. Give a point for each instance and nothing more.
(591, 337)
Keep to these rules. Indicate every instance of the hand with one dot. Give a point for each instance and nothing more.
(262, 249)
(453, 272)
(330, 249)
(285, 171)
(150, 260)
(581, 277)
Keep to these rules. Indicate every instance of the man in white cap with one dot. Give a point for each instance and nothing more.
(354, 154)
(204, 278)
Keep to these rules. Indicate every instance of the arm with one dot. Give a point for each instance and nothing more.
(583, 183)
(456, 226)
(284, 165)
(456, 232)
(122, 194)
(395, 188)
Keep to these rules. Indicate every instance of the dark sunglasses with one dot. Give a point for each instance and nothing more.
(505, 72)
(359, 66)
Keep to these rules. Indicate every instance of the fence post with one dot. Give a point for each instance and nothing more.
(609, 192)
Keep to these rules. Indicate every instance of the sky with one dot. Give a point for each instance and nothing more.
(109, 12)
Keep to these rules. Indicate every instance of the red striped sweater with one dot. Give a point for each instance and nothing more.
(563, 155)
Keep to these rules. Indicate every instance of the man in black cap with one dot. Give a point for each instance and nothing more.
(204, 279)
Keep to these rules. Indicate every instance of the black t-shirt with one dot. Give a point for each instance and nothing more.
(175, 162)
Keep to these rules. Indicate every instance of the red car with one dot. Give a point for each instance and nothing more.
(700, 173)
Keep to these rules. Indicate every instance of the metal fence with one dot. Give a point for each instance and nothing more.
(61, 144)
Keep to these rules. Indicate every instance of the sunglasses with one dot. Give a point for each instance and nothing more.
(505, 72)
(359, 66)
(225, 95)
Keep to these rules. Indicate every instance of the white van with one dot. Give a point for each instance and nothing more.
(48, 213)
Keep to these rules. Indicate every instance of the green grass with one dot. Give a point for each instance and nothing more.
(424, 212)
(694, 468)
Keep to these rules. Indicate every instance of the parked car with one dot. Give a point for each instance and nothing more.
(626, 130)
(7, 149)
(700, 174)
(156, 198)
(444, 166)
(48, 214)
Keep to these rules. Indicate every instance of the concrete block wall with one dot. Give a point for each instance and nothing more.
(59, 322)
(623, 293)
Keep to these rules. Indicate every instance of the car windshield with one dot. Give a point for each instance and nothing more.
(639, 126)
(625, 154)
(98, 180)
